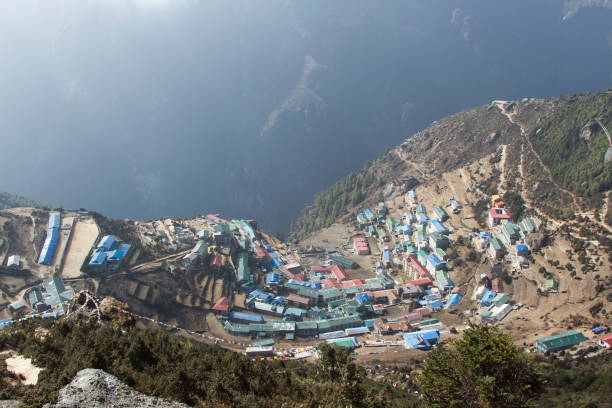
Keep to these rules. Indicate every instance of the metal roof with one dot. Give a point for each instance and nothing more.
(561, 340)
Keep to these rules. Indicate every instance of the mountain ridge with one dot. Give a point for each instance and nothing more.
(468, 136)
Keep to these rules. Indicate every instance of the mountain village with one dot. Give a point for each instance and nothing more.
(388, 285)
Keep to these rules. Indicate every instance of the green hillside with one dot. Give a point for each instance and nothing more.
(8, 200)
(168, 365)
(577, 163)
(334, 201)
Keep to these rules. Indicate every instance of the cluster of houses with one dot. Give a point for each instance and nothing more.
(108, 254)
(50, 299)
(420, 247)
(323, 301)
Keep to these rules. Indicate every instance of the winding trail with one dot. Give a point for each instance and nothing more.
(605, 130)
(510, 117)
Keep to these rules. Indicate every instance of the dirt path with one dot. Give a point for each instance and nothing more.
(605, 130)
(135, 268)
(502, 176)
(604, 208)
(510, 117)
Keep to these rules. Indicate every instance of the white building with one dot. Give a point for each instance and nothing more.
(13, 261)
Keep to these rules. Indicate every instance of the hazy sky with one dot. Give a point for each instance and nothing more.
(146, 108)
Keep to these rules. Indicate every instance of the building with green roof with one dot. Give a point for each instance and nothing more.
(243, 273)
(330, 294)
(348, 342)
(373, 284)
(501, 298)
(528, 226)
(342, 261)
(440, 213)
(441, 253)
(261, 329)
(339, 323)
(551, 285)
(511, 232)
(336, 303)
(559, 341)
(496, 248)
(385, 280)
(306, 329)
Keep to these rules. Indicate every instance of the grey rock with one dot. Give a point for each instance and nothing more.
(9, 404)
(608, 156)
(93, 388)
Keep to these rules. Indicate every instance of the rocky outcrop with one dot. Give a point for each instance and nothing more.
(92, 388)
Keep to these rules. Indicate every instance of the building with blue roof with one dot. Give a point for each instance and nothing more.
(522, 250)
(424, 339)
(272, 278)
(357, 331)
(109, 253)
(115, 255)
(453, 300)
(278, 300)
(98, 258)
(435, 304)
(363, 298)
(487, 298)
(48, 248)
(294, 313)
(387, 256)
(242, 317)
(54, 220)
(260, 294)
(108, 242)
(435, 264)
(438, 226)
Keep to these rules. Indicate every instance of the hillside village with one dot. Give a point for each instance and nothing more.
(416, 260)
(391, 284)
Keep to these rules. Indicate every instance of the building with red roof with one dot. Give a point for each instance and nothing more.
(360, 244)
(382, 326)
(420, 282)
(330, 283)
(605, 341)
(261, 255)
(496, 285)
(339, 273)
(222, 306)
(297, 300)
(214, 217)
(388, 296)
(352, 283)
(411, 263)
(216, 260)
(292, 271)
(498, 215)
(322, 269)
